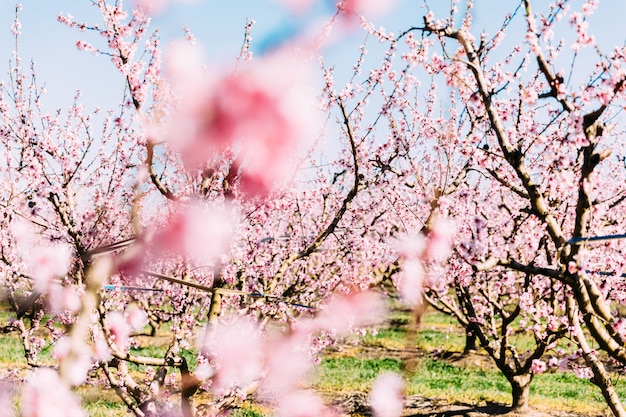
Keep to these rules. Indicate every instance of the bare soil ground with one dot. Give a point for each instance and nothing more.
(420, 406)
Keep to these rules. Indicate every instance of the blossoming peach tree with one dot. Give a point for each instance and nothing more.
(541, 187)
(183, 213)
(208, 209)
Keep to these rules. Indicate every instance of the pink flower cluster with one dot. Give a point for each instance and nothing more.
(200, 232)
(45, 395)
(387, 396)
(365, 7)
(157, 6)
(240, 354)
(419, 252)
(120, 325)
(538, 366)
(44, 261)
(257, 116)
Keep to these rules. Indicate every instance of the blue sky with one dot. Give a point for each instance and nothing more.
(219, 29)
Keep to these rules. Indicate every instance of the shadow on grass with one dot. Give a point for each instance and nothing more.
(466, 411)
(357, 404)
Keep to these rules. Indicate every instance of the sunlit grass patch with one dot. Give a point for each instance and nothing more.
(101, 403)
(473, 381)
(348, 374)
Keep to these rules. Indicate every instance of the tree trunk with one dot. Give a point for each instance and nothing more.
(520, 392)
(470, 342)
(215, 308)
(601, 377)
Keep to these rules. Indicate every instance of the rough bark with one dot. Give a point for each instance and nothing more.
(601, 377)
(470, 342)
(520, 392)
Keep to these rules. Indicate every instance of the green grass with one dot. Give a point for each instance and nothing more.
(101, 404)
(389, 338)
(352, 370)
(348, 374)
(429, 340)
(437, 331)
(440, 379)
(437, 378)
(11, 351)
(433, 378)
(245, 412)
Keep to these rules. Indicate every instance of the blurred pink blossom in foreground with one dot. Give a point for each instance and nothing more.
(421, 253)
(288, 362)
(241, 355)
(45, 395)
(344, 313)
(119, 328)
(297, 6)
(387, 396)
(303, 404)
(157, 6)
(236, 348)
(6, 399)
(44, 260)
(81, 360)
(439, 240)
(410, 282)
(259, 115)
(201, 232)
(368, 8)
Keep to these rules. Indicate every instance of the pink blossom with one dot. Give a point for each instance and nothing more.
(439, 240)
(204, 371)
(6, 399)
(435, 247)
(63, 298)
(589, 6)
(84, 46)
(583, 372)
(605, 96)
(49, 262)
(566, 180)
(45, 395)
(45, 261)
(412, 247)
(81, 361)
(359, 309)
(200, 232)
(119, 328)
(410, 282)
(16, 27)
(259, 115)
(136, 317)
(387, 396)
(574, 268)
(237, 350)
(288, 362)
(538, 366)
(302, 404)
(157, 6)
(297, 6)
(529, 96)
(101, 347)
(366, 7)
